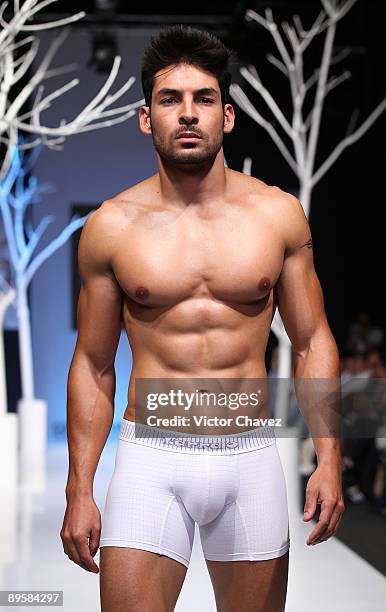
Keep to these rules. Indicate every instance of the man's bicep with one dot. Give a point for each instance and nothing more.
(300, 298)
(298, 291)
(100, 298)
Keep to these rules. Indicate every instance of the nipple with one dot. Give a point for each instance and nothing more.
(264, 284)
(142, 292)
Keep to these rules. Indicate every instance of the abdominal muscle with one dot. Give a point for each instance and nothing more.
(211, 345)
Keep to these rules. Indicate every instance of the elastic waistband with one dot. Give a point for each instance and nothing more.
(190, 443)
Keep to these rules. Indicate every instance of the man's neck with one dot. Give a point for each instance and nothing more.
(183, 185)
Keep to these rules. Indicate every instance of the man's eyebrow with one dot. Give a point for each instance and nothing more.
(204, 90)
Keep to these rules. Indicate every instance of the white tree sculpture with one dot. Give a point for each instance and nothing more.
(15, 122)
(302, 131)
(12, 70)
(15, 197)
(7, 295)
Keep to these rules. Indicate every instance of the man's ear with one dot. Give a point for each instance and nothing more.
(229, 118)
(145, 119)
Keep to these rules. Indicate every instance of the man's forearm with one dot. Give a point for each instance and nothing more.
(90, 412)
(318, 390)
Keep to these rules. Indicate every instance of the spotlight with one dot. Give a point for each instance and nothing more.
(104, 49)
(106, 5)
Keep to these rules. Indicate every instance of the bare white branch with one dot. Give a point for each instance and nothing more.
(103, 124)
(277, 63)
(252, 77)
(36, 78)
(336, 12)
(98, 112)
(319, 25)
(39, 7)
(278, 40)
(114, 111)
(67, 129)
(45, 103)
(103, 91)
(329, 7)
(290, 32)
(316, 27)
(250, 14)
(353, 121)
(319, 96)
(53, 24)
(16, 25)
(335, 81)
(349, 140)
(22, 238)
(41, 257)
(25, 41)
(247, 166)
(346, 6)
(28, 145)
(341, 55)
(291, 65)
(299, 26)
(27, 251)
(239, 96)
(312, 80)
(271, 26)
(26, 61)
(60, 70)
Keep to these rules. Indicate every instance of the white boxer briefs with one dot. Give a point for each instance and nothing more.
(232, 486)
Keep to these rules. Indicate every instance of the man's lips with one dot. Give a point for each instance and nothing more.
(188, 135)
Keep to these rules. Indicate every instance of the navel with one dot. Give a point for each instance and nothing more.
(142, 292)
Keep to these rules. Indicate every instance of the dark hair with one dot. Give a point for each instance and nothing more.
(184, 44)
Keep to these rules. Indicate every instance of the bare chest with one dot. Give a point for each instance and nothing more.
(233, 258)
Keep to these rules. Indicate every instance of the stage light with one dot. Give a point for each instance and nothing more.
(104, 49)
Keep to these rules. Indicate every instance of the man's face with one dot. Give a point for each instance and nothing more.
(186, 98)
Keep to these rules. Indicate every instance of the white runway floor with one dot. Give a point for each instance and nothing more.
(328, 577)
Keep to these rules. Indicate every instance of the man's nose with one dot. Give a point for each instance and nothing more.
(188, 114)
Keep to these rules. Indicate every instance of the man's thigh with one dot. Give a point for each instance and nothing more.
(134, 580)
(250, 586)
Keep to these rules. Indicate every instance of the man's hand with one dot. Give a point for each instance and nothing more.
(324, 487)
(81, 531)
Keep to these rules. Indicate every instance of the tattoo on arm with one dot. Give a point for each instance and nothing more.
(308, 244)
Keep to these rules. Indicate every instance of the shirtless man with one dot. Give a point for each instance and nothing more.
(194, 260)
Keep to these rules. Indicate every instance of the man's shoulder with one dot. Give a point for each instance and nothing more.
(270, 197)
(120, 209)
(137, 195)
(289, 217)
(273, 195)
(280, 208)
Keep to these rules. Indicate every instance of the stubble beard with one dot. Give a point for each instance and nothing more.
(177, 153)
